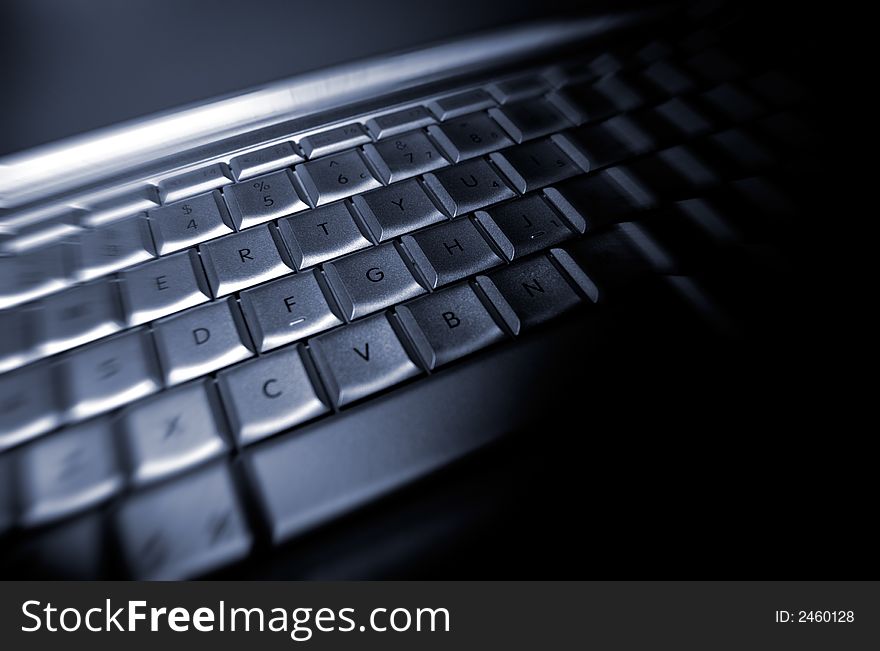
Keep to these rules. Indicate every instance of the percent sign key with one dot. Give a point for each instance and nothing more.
(263, 187)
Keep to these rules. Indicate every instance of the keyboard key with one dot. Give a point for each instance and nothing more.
(467, 187)
(117, 245)
(243, 260)
(195, 182)
(520, 88)
(120, 205)
(17, 342)
(529, 120)
(170, 432)
(332, 140)
(162, 287)
(41, 233)
(732, 103)
(598, 147)
(535, 291)
(28, 404)
(530, 225)
(470, 136)
(184, 528)
(582, 103)
(409, 154)
(108, 374)
(336, 177)
(714, 66)
(269, 394)
(669, 78)
(467, 101)
(448, 325)
(624, 94)
(68, 472)
(267, 159)
(450, 252)
(183, 224)
(599, 199)
(535, 164)
(391, 124)
(321, 234)
(371, 280)
(201, 340)
(674, 174)
(288, 309)
(31, 275)
(263, 199)
(78, 315)
(684, 117)
(360, 359)
(398, 209)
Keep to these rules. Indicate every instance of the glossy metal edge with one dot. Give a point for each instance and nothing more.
(123, 149)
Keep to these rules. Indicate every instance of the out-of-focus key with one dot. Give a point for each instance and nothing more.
(244, 259)
(469, 136)
(269, 394)
(582, 103)
(533, 165)
(520, 88)
(318, 235)
(170, 432)
(448, 325)
(600, 199)
(529, 224)
(393, 123)
(114, 246)
(264, 160)
(404, 156)
(398, 209)
(184, 528)
(336, 177)
(129, 203)
(262, 199)
(360, 359)
(108, 374)
(468, 101)
(534, 290)
(371, 280)
(327, 142)
(195, 182)
(17, 342)
(452, 251)
(529, 120)
(467, 187)
(732, 102)
(162, 287)
(68, 472)
(28, 404)
(34, 274)
(78, 315)
(288, 309)
(201, 340)
(179, 225)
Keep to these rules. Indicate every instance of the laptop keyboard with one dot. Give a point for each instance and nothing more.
(150, 344)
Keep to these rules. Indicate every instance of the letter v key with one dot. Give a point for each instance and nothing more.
(366, 352)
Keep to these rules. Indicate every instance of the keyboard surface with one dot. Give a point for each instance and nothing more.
(218, 364)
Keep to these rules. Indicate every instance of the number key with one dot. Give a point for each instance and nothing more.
(335, 177)
(469, 136)
(404, 156)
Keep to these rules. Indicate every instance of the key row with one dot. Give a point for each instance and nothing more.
(79, 255)
(104, 375)
(163, 435)
(238, 260)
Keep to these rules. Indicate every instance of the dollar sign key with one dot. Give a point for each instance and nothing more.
(187, 209)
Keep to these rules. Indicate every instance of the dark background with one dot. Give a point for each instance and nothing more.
(69, 67)
(655, 451)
